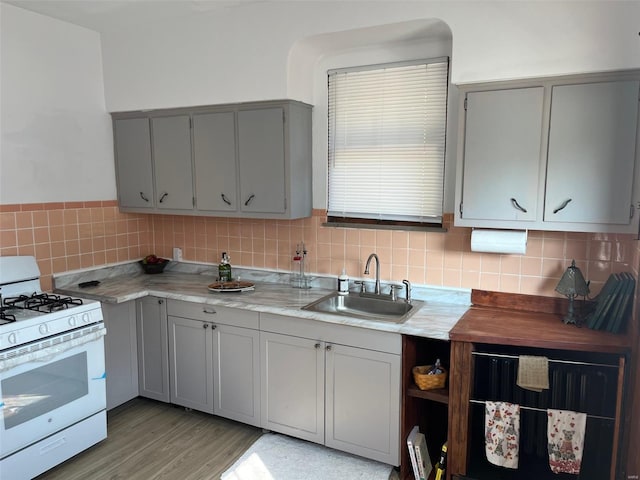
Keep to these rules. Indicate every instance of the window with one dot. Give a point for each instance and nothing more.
(387, 126)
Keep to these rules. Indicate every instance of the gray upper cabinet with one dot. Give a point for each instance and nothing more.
(592, 144)
(214, 148)
(502, 153)
(261, 158)
(248, 160)
(134, 171)
(550, 154)
(172, 160)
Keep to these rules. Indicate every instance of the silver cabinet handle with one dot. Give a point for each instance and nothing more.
(225, 199)
(160, 302)
(328, 348)
(249, 200)
(143, 197)
(316, 346)
(564, 204)
(515, 203)
(213, 326)
(209, 312)
(164, 195)
(205, 325)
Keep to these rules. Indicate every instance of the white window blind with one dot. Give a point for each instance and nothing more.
(387, 128)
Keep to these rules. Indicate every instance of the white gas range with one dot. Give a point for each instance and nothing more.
(52, 373)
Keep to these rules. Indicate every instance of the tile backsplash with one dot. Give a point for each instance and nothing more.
(73, 235)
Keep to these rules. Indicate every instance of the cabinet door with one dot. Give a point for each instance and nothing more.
(292, 386)
(592, 142)
(191, 363)
(153, 353)
(133, 163)
(172, 160)
(363, 402)
(214, 150)
(236, 366)
(502, 141)
(261, 158)
(120, 352)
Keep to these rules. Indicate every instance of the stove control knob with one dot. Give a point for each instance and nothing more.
(12, 337)
(86, 318)
(72, 321)
(43, 329)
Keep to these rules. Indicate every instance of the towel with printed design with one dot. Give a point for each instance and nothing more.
(565, 435)
(502, 433)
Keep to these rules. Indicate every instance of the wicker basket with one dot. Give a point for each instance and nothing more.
(428, 382)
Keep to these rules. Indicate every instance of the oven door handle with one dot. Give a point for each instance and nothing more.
(51, 347)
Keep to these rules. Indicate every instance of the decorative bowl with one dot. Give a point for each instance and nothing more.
(157, 267)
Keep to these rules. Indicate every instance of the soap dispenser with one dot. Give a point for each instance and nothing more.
(343, 283)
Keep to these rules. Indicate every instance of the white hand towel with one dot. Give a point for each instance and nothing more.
(502, 433)
(565, 435)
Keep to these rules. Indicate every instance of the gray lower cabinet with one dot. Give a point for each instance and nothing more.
(153, 353)
(332, 384)
(214, 356)
(121, 353)
(191, 363)
(236, 367)
(361, 402)
(293, 386)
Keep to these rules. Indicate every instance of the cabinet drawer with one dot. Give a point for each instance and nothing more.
(332, 333)
(213, 313)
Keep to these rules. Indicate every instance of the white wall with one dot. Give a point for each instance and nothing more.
(243, 53)
(56, 141)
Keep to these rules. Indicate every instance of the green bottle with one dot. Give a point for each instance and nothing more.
(224, 268)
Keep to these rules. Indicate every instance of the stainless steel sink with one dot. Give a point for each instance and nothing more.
(371, 307)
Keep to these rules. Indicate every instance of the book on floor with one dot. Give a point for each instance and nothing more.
(422, 457)
(411, 439)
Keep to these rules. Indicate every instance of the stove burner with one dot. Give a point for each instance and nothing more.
(6, 317)
(42, 302)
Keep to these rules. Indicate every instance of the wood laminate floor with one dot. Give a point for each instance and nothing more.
(152, 440)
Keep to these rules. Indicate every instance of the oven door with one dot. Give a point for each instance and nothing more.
(49, 386)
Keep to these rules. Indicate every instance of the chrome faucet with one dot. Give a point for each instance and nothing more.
(407, 287)
(366, 271)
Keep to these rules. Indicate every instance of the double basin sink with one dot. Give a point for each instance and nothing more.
(368, 307)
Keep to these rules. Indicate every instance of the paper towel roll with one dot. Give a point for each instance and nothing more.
(499, 241)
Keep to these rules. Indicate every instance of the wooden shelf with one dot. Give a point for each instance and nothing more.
(440, 395)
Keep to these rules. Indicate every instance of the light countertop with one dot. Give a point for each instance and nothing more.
(441, 310)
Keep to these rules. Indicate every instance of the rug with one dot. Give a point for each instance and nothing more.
(278, 457)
